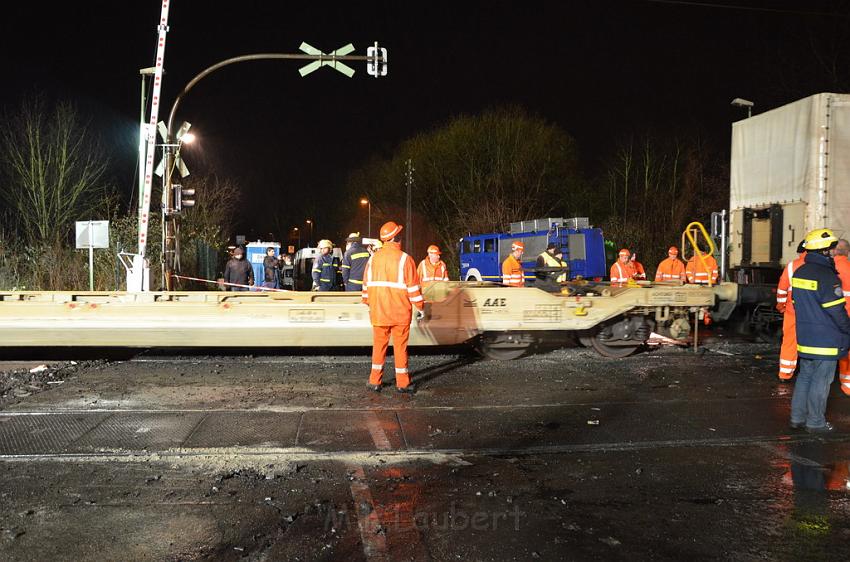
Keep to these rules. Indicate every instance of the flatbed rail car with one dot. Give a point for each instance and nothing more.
(502, 322)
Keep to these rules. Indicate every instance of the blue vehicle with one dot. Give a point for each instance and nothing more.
(481, 255)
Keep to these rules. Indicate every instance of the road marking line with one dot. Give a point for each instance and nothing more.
(379, 437)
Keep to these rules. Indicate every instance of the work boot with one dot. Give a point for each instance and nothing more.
(797, 425)
(826, 428)
(409, 389)
(373, 387)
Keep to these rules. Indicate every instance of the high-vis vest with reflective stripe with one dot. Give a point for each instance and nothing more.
(784, 303)
(391, 287)
(622, 272)
(671, 269)
(429, 272)
(696, 273)
(823, 327)
(512, 274)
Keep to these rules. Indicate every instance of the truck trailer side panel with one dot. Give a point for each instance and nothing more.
(789, 174)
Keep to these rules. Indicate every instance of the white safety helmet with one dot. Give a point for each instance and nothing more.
(325, 244)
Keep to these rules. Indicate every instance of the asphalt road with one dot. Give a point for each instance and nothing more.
(562, 455)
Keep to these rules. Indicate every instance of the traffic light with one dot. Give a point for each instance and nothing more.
(376, 64)
(183, 197)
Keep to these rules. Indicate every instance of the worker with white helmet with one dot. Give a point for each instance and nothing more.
(326, 268)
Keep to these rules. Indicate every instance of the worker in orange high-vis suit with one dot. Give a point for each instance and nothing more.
(842, 265)
(640, 272)
(701, 274)
(623, 269)
(512, 273)
(785, 305)
(391, 290)
(432, 268)
(671, 269)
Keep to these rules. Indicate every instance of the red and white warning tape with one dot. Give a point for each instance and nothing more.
(252, 287)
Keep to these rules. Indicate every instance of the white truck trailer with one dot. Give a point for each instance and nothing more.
(789, 174)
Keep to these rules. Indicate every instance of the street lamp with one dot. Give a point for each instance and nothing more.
(368, 203)
(740, 102)
(310, 222)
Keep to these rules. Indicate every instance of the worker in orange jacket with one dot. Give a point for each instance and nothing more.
(623, 269)
(785, 305)
(671, 269)
(432, 268)
(512, 273)
(640, 272)
(391, 290)
(842, 266)
(701, 274)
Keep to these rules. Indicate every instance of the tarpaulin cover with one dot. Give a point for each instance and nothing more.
(799, 152)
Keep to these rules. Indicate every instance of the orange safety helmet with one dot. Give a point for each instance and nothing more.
(390, 230)
(673, 250)
(432, 249)
(517, 245)
(625, 252)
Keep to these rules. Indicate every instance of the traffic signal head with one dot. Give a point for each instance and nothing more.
(184, 197)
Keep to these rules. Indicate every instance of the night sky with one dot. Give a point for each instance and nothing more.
(599, 69)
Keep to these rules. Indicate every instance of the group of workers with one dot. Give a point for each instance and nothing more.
(332, 274)
(812, 296)
(700, 269)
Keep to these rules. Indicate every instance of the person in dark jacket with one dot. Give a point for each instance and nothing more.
(326, 268)
(354, 262)
(271, 270)
(287, 273)
(823, 331)
(238, 271)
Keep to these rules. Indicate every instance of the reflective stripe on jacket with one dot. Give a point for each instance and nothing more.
(842, 267)
(784, 303)
(391, 287)
(429, 272)
(823, 327)
(325, 271)
(512, 274)
(353, 266)
(670, 269)
(622, 272)
(696, 273)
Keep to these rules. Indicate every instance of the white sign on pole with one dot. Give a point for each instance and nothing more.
(92, 234)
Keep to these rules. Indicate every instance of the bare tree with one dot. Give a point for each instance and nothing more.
(479, 173)
(656, 185)
(52, 170)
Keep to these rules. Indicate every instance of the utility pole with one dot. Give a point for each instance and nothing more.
(408, 237)
(376, 59)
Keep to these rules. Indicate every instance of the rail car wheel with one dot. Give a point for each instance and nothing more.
(504, 347)
(620, 338)
(613, 351)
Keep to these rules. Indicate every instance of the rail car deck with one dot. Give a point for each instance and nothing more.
(456, 312)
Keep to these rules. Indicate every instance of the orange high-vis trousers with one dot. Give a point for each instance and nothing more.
(380, 341)
(788, 352)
